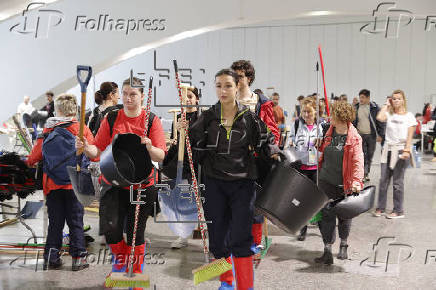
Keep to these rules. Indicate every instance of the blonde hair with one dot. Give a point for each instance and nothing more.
(399, 92)
(343, 112)
(310, 103)
(66, 104)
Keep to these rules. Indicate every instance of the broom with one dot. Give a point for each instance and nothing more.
(138, 279)
(217, 267)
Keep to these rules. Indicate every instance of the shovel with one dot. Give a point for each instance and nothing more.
(81, 177)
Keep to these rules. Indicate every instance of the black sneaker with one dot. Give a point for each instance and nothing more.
(52, 265)
(326, 258)
(343, 252)
(79, 264)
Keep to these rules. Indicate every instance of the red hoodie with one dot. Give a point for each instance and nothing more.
(265, 111)
(36, 156)
(352, 164)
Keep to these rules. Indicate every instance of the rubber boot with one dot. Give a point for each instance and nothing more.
(343, 255)
(302, 236)
(119, 256)
(227, 278)
(256, 232)
(138, 261)
(244, 272)
(326, 258)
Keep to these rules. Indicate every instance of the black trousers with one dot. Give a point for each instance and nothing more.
(368, 145)
(63, 206)
(327, 226)
(116, 209)
(230, 206)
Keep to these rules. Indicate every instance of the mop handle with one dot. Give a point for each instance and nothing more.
(323, 80)
(135, 226)
(191, 163)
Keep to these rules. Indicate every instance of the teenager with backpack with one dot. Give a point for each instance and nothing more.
(225, 139)
(56, 149)
(130, 119)
(107, 99)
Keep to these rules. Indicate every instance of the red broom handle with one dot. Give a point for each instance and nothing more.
(323, 81)
(138, 200)
(191, 164)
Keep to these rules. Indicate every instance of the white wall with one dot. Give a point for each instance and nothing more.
(285, 57)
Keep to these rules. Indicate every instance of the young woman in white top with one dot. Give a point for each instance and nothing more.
(400, 126)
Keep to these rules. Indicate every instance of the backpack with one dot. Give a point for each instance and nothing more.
(98, 116)
(112, 117)
(58, 151)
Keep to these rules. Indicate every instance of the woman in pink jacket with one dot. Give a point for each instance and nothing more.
(341, 172)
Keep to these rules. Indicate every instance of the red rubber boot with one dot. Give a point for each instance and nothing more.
(244, 272)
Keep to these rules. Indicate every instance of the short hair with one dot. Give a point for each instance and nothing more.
(66, 104)
(228, 72)
(246, 67)
(49, 93)
(301, 97)
(365, 92)
(135, 82)
(343, 111)
(275, 94)
(343, 97)
(258, 91)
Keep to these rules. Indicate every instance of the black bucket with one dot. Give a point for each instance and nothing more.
(352, 206)
(126, 161)
(288, 198)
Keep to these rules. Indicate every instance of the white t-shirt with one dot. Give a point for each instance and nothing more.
(23, 108)
(397, 127)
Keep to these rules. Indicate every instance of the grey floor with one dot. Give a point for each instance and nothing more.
(409, 243)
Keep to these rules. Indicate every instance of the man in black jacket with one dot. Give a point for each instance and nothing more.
(369, 128)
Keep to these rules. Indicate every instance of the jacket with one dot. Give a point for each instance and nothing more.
(265, 111)
(36, 155)
(301, 140)
(380, 127)
(352, 164)
(230, 155)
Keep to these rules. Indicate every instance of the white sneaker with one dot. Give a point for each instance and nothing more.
(395, 215)
(179, 243)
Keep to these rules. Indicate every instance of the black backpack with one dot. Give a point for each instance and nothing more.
(97, 118)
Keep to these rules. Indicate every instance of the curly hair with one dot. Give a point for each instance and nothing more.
(246, 67)
(343, 112)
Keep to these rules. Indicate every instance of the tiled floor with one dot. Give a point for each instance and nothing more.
(289, 263)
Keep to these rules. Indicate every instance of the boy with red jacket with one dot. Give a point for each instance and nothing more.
(61, 201)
